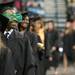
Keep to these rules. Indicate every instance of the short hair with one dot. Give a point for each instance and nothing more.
(10, 22)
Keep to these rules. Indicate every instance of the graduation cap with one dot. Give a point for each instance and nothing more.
(5, 6)
(15, 16)
(3, 22)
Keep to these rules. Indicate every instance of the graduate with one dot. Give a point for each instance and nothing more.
(51, 45)
(6, 60)
(25, 30)
(21, 49)
(40, 32)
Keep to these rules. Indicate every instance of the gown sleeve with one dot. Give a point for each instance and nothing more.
(29, 65)
(9, 64)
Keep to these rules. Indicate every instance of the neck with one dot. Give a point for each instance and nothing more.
(41, 30)
(22, 29)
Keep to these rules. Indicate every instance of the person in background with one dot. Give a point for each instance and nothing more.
(51, 45)
(39, 30)
(73, 40)
(34, 40)
(6, 60)
(66, 44)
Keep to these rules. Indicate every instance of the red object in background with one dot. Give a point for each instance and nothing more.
(18, 4)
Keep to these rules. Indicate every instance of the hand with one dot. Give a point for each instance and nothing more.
(60, 49)
(53, 48)
(50, 58)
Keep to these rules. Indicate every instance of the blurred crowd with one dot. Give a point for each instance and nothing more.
(30, 46)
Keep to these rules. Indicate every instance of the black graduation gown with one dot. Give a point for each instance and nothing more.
(29, 67)
(22, 52)
(33, 40)
(6, 62)
(41, 55)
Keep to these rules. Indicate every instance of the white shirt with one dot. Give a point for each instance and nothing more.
(9, 33)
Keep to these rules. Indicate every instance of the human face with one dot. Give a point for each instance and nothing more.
(25, 22)
(14, 25)
(37, 26)
(50, 26)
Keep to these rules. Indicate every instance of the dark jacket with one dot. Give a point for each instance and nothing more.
(51, 39)
(69, 42)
